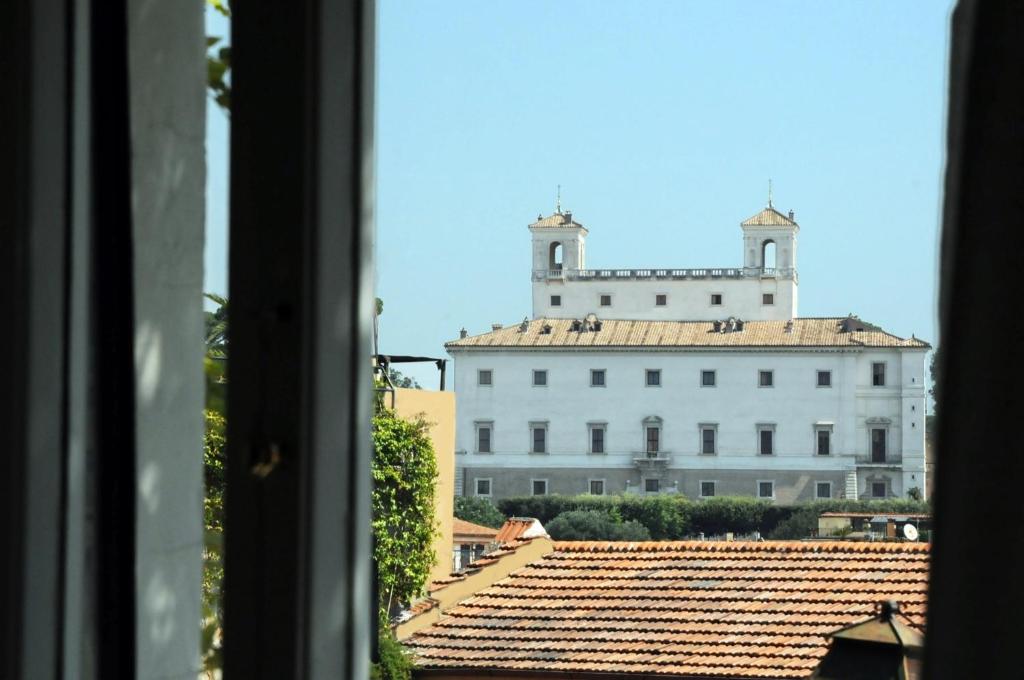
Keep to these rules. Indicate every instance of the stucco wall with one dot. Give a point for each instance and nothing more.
(438, 409)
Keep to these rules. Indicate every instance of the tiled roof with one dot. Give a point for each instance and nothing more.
(769, 217)
(809, 332)
(517, 528)
(676, 609)
(461, 527)
(556, 220)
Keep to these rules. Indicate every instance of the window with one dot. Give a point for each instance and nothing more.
(707, 378)
(707, 489)
(716, 299)
(652, 485)
(766, 440)
(540, 378)
(766, 378)
(652, 434)
(823, 489)
(606, 300)
(597, 377)
(824, 379)
(485, 376)
(708, 436)
(768, 298)
(823, 439)
(765, 489)
(654, 377)
(539, 487)
(878, 374)
(596, 487)
(660, 300)
(556, 300)
(483, 486)
(879, 489)
(878, 444)
(538, 437)
(597, 437)
(483, 437)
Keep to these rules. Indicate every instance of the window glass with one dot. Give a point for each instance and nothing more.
(878, 374)
(878, 489)
(660, 300)
(606, 300)
(653, 439)
(484, 377)
(556, 300)
(540, 378)
(652, 485)
(539, 439)
(766, 489)
(597, 439)
(653, 377)
(765, 378)
(824, 378)
(597, 377)
(707, 378)
(716, 299)
(878, 445)
(707, 489)
(597, 487)
(768, 299)
(767, 442)
(823, 490)
(483, 487)
(707, 440)
(824, 442)
(540, 487)
(483, 442)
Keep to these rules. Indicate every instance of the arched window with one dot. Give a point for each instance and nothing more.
(555, 258)
(768, 254)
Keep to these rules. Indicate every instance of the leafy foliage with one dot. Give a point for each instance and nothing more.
(404, 482)
(394, 663)
(218, 62)
(398, 379)
(214, 440)
(594, 525)
(478, 511)
(739, 515)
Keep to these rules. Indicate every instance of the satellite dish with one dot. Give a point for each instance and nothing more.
(910, 532)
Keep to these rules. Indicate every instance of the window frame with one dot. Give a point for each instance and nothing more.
(534, 426)
(648, 372)
(490, 487)
(540, 372)
(591, 428)
(710, 427)
(555, 301)
(767, 299)
(885, 489)
(533, 486)
(700, 488)
(762, 428)
(604, 377)
(657, 482)
(875, 374)
(661, 299)
(884, 429)
(758, 489)
(817, 488)
(817, 379)
(652, 423)
(819, 429)
(714, 377)
(762, 373)
(601, 297)
(480, 375)
(721, 299)
(483, 425)
(597, 480)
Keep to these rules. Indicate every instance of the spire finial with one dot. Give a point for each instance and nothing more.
(558, 201)
(769, 192)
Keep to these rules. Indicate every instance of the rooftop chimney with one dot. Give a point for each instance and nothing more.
(791, 216)
(463, 333)
(495, 326)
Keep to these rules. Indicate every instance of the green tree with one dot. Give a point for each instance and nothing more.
(398, 379)
(404, 485)
(478, 511)
(594, 525)
(218, 62)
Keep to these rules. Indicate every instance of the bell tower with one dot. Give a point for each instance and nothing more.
(559, 251)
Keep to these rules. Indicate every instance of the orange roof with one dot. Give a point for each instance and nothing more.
(769, 217)
(461, 527)
(516, 528)
(676, 609)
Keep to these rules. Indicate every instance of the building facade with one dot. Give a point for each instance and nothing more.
(703, 382)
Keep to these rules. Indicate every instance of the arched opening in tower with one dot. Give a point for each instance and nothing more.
(555, 258)
(768, 254)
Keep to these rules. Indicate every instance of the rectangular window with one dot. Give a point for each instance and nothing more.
(597, 438)
(823, 490)
(654, 377)
(483, 438)
(767, 298)
(484, 377)
(707, 489)
(597, 377)
(483, 487)
(766, 489)
(652, 485)
(824, 378)
(556, 300)
(716, 299)
(539, 487)
(878, 490)
(540, 378)
(538, 438)
(766, 378)
(878, 445)
(660, 300)
(653, 438)
(707, 378)
(707, 439)
(878, 374)
(766, 440)
(606, 300)
(823, 439)
(596, 487)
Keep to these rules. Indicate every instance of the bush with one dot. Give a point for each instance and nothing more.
(394, 662)
(667, 518)
(478, 511)
(739, 515)
(595, 525)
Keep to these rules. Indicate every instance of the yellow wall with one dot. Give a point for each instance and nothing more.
(438, 409)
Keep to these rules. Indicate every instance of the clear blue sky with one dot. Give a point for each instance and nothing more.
(662, 121)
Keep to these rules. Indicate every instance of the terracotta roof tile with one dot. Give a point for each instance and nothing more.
(697, 609)
(556, 220)
(769, 217)
(517, 528)
(461, 527)
(617, 333)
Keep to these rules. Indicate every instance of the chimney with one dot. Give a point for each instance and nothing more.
(789, 326)
(495, 326)
(792, 216)
(463, 333)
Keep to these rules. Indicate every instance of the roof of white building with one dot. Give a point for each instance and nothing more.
(611, 333)
(557, 220)
(769, 217)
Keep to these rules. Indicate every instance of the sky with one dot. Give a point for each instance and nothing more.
(662, 122)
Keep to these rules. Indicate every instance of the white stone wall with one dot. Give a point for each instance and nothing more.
(688, 299)
(737, 404)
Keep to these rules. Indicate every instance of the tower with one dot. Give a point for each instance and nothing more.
(769, 243)
(558, 245)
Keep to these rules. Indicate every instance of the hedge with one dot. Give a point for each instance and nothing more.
(674, 517)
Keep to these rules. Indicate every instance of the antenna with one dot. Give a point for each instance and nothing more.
(769, 192)
(558, 201)
(910, 532)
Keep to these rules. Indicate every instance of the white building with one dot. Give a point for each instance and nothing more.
(696, 381)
